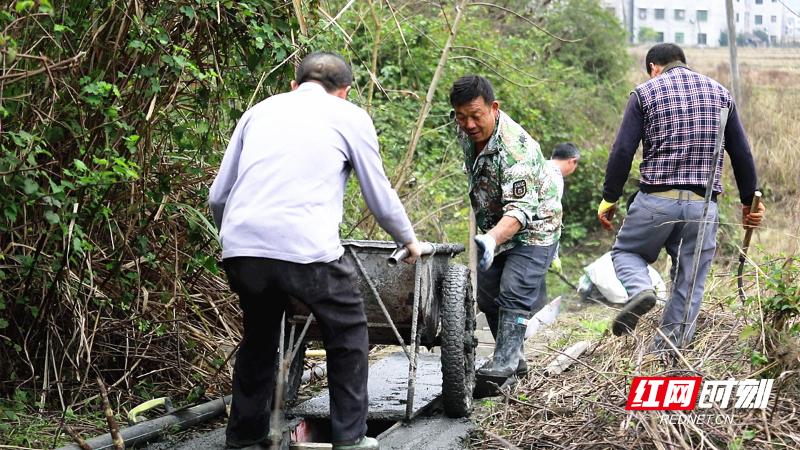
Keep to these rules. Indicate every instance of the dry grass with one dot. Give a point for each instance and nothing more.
(585, 406)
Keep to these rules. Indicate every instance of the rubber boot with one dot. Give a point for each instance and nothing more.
(508, 352)
(492, 319)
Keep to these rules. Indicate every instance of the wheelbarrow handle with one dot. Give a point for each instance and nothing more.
(402, 252)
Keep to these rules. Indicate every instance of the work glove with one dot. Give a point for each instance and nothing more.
(751, 220)
(555, 266)
(486, 246)
(605, 212)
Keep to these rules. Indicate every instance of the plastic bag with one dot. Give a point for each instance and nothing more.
(600, 275)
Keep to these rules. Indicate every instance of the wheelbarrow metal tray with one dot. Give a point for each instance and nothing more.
(395, 286)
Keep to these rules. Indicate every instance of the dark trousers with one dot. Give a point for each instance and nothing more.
(515, 279)
(331, 292)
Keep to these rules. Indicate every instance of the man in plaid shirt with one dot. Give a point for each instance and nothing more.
(676, 115)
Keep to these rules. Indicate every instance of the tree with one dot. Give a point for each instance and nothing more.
(647, 34)
(112, 117)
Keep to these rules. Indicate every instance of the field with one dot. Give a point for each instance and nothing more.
(770, 111)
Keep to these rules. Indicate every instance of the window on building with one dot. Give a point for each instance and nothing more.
(659, 14)
(612, 10)
(660, 36)
(679, 38)
(702, 15)
(758, 20)
(773, 40)
(737, 17)
(680, 14)
(773, 19)
(643, 13)
(759, 2)
(701, 39)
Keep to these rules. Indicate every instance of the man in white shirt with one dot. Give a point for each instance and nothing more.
(562, 163)
(277, 201)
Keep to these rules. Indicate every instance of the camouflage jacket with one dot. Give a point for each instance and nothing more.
(510, 178)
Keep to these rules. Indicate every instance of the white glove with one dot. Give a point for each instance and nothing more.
(486, 246)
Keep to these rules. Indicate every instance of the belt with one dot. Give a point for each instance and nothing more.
(679, 195)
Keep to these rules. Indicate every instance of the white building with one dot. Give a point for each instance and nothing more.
(701, 22)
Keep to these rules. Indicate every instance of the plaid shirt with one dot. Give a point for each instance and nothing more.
(681, 110)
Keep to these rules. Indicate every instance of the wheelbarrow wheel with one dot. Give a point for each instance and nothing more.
(458, 342)
(293, 376)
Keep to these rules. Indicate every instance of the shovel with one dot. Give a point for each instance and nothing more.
(544, 317)
(745, 246)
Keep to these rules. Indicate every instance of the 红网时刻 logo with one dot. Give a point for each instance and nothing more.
(683, 393)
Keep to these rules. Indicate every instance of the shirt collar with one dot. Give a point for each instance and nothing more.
(491, 145)
(310, 86)
(555, 167)
(674, 65)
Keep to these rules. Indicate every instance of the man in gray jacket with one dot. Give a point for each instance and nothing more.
(277, 201)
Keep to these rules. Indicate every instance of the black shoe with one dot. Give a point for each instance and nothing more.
(636, 307)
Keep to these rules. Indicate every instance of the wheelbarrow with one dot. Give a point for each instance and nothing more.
(426, 303)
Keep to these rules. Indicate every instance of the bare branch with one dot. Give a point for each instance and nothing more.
(514, 13)
(490, 67)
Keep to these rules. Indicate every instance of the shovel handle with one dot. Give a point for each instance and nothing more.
(749, 233)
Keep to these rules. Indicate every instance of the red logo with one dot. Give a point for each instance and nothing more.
(663, 393)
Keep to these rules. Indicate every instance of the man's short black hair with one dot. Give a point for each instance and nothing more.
(566, 150)
(326, 68)
(663, 54)
(468, 88)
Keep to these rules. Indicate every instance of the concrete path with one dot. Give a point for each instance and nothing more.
(388, 389)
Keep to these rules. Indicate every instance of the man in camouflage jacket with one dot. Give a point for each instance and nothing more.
(518, 210)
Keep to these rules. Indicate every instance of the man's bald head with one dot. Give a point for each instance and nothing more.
(328, 69)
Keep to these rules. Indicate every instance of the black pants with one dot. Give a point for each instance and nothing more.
(331, 292)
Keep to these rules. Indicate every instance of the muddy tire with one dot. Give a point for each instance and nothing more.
(458, 342)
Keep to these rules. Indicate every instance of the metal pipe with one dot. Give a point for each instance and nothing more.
(701, 232)
(153, 429)
(378, 299)
(402, 252)
(412, 359)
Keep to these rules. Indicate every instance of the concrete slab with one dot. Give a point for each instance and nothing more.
(388, 389)
(428, 433)
(483, 333)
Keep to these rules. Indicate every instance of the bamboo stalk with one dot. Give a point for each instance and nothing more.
(402, 173)
(113, 428)
(78, 439)
(301, 20)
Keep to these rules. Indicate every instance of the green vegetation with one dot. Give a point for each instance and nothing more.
(647, 34)
(113, 120)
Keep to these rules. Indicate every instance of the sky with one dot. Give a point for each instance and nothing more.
(794, 5)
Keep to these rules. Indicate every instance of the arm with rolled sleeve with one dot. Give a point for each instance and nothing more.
(518, 166)
(381, 199)
(228, 173)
